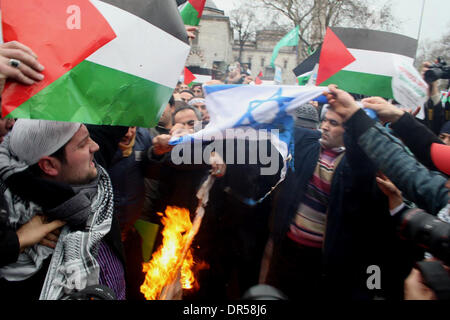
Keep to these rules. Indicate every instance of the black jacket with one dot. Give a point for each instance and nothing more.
(359, 231)
(417, 137)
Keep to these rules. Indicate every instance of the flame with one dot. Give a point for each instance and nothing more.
(162, 269)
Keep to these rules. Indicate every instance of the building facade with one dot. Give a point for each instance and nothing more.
(215, 48)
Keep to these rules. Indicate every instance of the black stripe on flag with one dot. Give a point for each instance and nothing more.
(364, 39)
(377, 41)
(163, 14)
(308, 64)
(200, 71)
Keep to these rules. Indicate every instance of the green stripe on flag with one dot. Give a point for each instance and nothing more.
(94, 94)
(363, 83)
(190, 15)
(303, 80)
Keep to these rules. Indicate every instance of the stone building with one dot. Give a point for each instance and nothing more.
(215, 48)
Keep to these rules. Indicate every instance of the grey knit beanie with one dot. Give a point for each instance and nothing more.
(306, 116)
(31, 140)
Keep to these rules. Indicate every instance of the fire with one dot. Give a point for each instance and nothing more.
(171, 258)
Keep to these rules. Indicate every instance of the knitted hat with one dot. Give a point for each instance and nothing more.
(33, 139)
(440, 155)
(446, 128)
(306, 116)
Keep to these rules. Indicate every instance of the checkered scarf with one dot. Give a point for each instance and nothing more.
(73, 265)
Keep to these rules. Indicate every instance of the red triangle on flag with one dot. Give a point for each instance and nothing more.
(198, 5)
(333, 58)
(258, 80)
(188, 76)
(45, 27)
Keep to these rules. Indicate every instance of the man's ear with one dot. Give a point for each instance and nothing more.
(50, 166)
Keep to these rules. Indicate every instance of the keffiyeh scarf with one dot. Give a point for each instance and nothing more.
(73, 265)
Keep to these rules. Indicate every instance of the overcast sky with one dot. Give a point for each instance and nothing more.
(436, 18)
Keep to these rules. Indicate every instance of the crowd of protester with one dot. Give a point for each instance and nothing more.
(72, 193)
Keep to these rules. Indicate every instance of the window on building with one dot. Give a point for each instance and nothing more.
(263, 62)
(285, 64)
(269, 72)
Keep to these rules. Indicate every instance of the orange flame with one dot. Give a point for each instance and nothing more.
(162, 269)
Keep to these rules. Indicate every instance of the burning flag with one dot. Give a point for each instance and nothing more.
(107, 62)
(172, 264)
(162, 270)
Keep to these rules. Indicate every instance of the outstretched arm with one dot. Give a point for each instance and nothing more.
(424, 187)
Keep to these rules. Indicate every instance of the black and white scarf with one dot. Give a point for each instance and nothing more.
(73, 265)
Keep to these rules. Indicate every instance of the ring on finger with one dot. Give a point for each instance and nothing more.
(14, 63)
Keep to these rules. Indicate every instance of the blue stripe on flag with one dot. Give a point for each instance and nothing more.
(220, 87)
(183, 139)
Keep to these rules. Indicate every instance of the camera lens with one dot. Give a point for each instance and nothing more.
(433, 74)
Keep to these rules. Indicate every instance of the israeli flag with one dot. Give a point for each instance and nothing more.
(261, 108)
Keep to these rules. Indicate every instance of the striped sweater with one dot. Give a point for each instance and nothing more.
(309, 223)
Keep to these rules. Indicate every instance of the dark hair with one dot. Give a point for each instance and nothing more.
(59, 154)
(188, 91)
(172, 101)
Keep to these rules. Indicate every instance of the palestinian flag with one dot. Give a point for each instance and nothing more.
(366, 58)
(202, 75)
(109, 62)
(305, 69)
(191, 11)
(188, 76)
(258, 80)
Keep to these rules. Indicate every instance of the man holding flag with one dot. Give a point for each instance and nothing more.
(42, 162)
(49, 164)
(330, 221)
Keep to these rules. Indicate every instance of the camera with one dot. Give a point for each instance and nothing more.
(95, 292)
(439, 70)
(426, 231)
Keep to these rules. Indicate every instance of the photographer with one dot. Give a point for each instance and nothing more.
(434, 110)
(430, 280)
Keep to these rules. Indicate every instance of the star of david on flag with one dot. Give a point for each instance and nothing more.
(257, 108)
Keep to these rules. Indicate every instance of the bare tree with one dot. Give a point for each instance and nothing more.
(243, 22)
(430, 50)
(314, 16)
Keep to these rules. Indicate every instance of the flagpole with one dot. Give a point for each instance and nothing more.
(421, 20)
